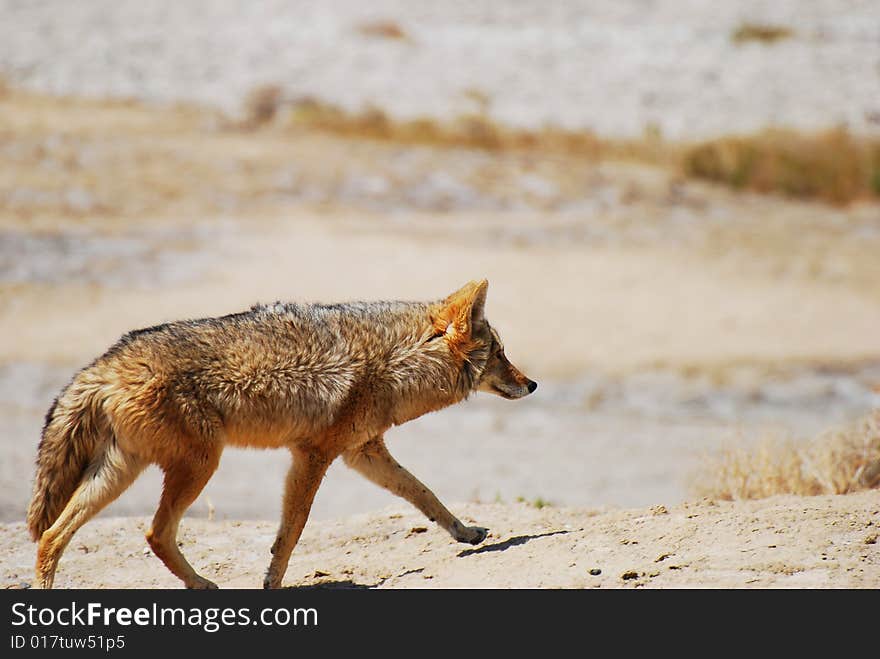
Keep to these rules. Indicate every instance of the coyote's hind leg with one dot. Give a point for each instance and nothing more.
(184, 480)
(107, 478)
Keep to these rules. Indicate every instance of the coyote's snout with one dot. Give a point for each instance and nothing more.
(501, 377)
(322, 381)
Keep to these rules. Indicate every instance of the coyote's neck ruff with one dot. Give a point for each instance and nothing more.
(319, 380)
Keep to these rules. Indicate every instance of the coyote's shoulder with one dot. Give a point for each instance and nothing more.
(320, 380)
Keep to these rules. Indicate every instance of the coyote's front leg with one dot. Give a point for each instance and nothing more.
(302, 483)
(375, 462)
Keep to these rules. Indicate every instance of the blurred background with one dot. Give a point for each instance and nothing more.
(676, 203)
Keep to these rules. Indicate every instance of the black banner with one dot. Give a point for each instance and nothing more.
(128, 622)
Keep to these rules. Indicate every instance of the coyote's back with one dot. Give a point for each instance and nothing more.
(319, 380)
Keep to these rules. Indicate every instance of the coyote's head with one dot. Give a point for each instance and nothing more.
(461, 324)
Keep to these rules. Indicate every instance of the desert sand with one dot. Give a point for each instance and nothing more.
(615, 68)
(780, 542)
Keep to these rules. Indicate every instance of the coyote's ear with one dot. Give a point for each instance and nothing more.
(461, 310)
(478, 301)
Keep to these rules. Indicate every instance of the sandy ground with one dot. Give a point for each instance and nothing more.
(568, 319)
(781, 542)
(614, 67)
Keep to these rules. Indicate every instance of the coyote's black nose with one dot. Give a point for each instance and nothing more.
(532, 386)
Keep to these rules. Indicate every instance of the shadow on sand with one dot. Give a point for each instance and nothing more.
(507, 544)
(348, 584)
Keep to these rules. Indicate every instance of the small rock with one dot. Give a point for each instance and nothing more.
(321, 573)
(595, 572)
(871, 539)
(659, 510)
(662, 557)
(631, 574)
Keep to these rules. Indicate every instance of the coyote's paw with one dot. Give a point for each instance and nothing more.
(271, 582)
(200, 583)
(473, 535)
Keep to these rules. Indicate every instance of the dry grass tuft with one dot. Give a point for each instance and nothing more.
(473, 130)
(480, 99)
(262, 104)
(833, 166)
(383, 29)
(766, 34)
(836, 463)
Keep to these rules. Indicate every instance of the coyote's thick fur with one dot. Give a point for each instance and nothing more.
(319, 380)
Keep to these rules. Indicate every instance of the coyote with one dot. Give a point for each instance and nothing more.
(319, 380)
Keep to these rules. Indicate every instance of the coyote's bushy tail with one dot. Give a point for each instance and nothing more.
(75, 427)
